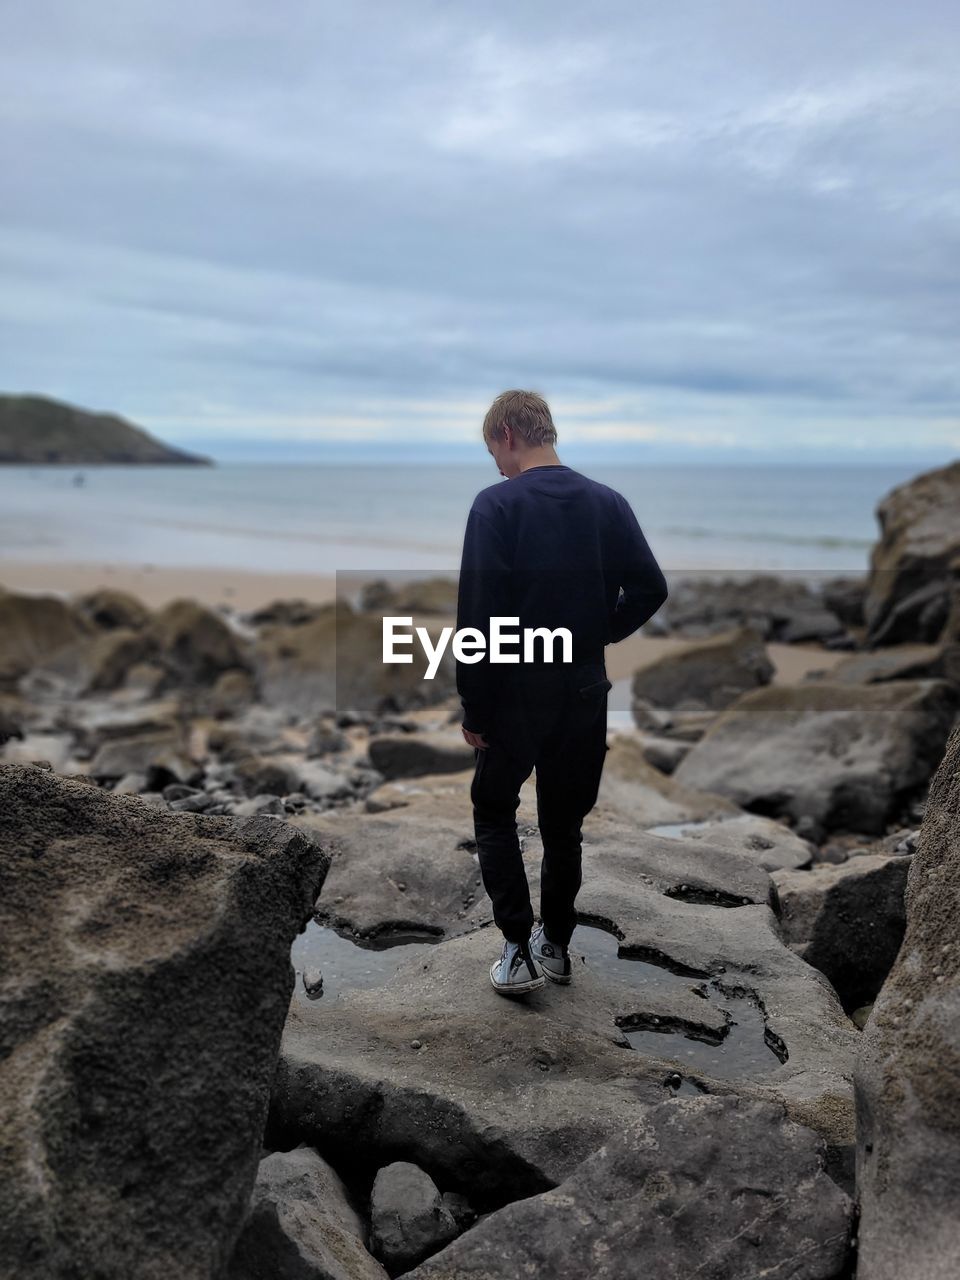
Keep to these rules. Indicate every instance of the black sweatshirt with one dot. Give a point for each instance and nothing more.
(552, 548)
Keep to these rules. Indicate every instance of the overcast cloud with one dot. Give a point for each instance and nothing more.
(698, 224)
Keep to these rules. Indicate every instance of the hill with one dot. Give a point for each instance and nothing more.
(35, 429)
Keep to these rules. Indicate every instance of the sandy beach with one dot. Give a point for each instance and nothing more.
(155, 585)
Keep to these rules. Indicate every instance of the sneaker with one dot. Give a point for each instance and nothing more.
(516, 972)
(554, 960)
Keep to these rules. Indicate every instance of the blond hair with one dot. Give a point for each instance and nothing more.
(526, 412)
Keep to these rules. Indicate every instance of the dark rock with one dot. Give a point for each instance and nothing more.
(146, 957)
(710, 673)
(194, 643)
(408, 1219)
(301, 1225)
(907, 1077)
(415, 754)
(108, 609)
(715, 1187)
(847, 920)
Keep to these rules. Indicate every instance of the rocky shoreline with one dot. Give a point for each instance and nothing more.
(749, 1075)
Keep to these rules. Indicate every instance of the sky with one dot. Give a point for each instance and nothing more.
(700, 230)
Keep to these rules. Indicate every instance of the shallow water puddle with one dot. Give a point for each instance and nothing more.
(745, 1050)
(346, 964)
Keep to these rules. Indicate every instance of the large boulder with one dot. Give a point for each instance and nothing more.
(147, 975)
(195, 644)
(847, 920)
(32, 629)
(107, 607)
(712, 1187)
(408, 1218)
(707, 673)
(908, 590)
(940, 661)
(301, 1225)
(907, 1078)
(838, 756)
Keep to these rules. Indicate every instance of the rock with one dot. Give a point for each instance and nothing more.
(32, 629)
(146, 958)
(769, 844)
(506, 1098)
(703, 605)
(847, 921)
(410, 755)
(908, 589)
(94, 664)
(423, 595)
(107, 608)
(258, 775)
(715, 1187)
(844, 597)
(301, 1225)
(663, 753)
(194, 643)
(232, 693)
(708, 673)
(907, 1081)
(408, 1219)
(372, 857)
(845, 756)
(318, 782)
(160, 756)
(631, 786)
(336, 660)
(899, 662)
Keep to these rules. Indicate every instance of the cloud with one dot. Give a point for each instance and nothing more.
(723, 220)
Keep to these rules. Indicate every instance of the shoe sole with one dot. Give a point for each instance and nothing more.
(516, 988)
(562, 980)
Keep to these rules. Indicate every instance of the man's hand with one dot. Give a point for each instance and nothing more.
(475, 739)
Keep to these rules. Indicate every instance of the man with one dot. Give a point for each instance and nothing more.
(552, 549)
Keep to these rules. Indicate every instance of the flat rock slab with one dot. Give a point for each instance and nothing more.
(146, 980)
(497, 1098)
(844, 756)
(408, 872)
(713, 1187)
(766, 842)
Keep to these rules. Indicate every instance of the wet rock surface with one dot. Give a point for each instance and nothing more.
(301, 1225)
(146, 980)
(908, 1068)
(707, 1186)
(500, 1099)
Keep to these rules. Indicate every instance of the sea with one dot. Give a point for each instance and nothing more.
(322, 517)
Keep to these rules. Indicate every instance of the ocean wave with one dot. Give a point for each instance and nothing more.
(783, 539)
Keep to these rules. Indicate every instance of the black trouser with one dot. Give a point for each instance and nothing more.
(552, 719)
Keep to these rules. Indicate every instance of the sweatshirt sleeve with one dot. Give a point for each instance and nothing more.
(643, 588)
(483, 593)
